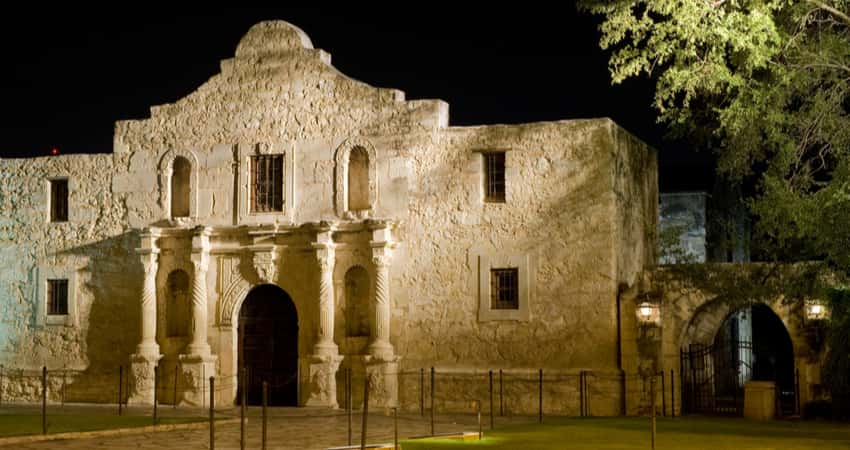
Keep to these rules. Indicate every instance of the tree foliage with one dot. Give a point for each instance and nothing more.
(768, 83)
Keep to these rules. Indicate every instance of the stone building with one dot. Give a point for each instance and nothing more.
(291, 220)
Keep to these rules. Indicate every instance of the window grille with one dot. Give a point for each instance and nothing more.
(494, 177)
(504, 289)
(58, 200)
(267, 183)
(57, 297)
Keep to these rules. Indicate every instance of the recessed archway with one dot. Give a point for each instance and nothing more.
(268, 346)
(723, 348)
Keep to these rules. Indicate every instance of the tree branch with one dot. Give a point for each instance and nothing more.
(831, 10)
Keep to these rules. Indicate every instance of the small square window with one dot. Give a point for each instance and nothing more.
(494, 177)
(267, 183)
(57, 297)
(504, 289)
(59, 200)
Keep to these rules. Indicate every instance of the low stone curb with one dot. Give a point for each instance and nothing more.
(112, 432)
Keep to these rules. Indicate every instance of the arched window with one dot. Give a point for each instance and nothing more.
(357, 302)
(177, 306)
(358, 180)
(180, 187)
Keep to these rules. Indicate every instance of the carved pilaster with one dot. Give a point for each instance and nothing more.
(380, 346)
(325, 259)
(383, 380)
(147, 351)
(200, 260)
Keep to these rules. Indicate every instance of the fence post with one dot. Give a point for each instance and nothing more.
(265, 405)
(212, 413)
(796, 388)
(672, 394)
(63, 385)
(175, 388)
(478, 411)
(581, 393)
(203, 383)
(540, 397)
(501, 402)
(395, 428)
(365, 413)
(44, 400)
(652, 406)
(432, 400)
(242, 411)
(350, 405)
(155, 390)
(120, 387)
(663, 400)
(491, 402)
(421, 391)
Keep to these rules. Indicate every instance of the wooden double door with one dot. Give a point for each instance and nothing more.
(268, 347)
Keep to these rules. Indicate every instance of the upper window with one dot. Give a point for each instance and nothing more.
(180, 187)
(504, 289)
(494, 177)
(267, 183)
(57, 297)
(59, 200)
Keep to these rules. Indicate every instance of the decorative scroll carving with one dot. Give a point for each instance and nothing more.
(234, 287)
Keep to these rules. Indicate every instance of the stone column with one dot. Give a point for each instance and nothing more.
(325, 359)
(147, 352)
(381, 362)
(198, 363)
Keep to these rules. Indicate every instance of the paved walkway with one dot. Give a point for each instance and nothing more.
(288, 428)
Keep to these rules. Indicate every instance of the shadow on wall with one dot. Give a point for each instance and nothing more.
(113, 326)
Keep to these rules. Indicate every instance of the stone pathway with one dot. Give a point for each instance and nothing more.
(288, 428)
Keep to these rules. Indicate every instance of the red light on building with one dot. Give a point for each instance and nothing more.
(54, 151)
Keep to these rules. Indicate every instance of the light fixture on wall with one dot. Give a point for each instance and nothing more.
(649, 314)
(815, 310)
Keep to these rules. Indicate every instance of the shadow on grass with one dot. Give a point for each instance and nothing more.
(19, 425)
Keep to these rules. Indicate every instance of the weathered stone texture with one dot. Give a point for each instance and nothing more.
(580, 215)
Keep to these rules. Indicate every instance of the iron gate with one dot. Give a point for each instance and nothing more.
(713, 377)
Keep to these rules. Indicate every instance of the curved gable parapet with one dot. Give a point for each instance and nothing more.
(272, 37)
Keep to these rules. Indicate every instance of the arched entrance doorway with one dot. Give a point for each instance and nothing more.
(751, 343)
(268, 346)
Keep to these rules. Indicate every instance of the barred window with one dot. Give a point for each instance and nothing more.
(504, 288)
(494, 177)
(267, 183)
(59, 200)
(57, 297)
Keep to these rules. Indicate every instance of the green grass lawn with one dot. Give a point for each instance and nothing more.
(22, 424)
(633, 433)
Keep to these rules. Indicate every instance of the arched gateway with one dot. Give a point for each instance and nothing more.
(268, 346)
(727, 348)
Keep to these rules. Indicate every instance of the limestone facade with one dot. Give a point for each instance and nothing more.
(577, 225)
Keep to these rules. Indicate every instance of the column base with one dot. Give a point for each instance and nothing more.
(382, 373)
(142, 378)
(193, 379)
(321, 385)
(381, 349)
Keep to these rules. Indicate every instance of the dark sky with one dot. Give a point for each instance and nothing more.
(68, 75)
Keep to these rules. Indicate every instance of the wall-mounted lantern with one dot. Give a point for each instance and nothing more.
(649, 314)
(816, 310)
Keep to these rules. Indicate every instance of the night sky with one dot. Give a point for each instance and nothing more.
(68, 75)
